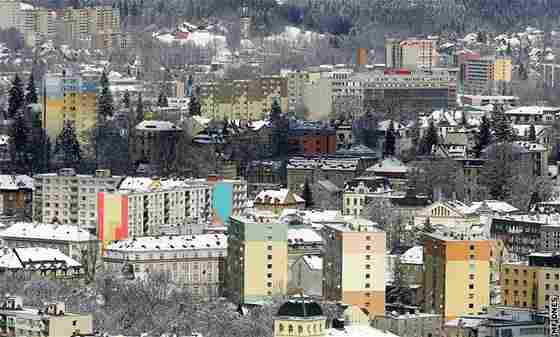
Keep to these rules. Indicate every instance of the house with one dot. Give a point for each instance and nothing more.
(392, 169)
(16, 192)
(278, 200)
(306, 276)
(357, 190)
(44, 262)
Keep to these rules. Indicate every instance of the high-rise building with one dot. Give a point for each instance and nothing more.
(393, 53)
(411, 54)
(354, 264)
(68, 198)
(257, 260)
(91, 27)
(145, 206)
(456, 274)
(485, 75)
(229, 198)
(70, 97)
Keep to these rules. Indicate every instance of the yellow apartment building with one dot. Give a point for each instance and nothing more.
(243, 99)
(502, 70)
(257, 260)
(354, 264)
(456, 274)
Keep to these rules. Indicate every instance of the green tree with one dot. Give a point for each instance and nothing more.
(503, 131)
(162, 100)
(532, 133)
(464, 120)
(390, 139)
(498, 172)
(484, 136)
(40, 146)
(126, 99)
(20, 149)
(31, 94)
(431, 138)
(139, 109)
(104, 99)
(16, 99)
(67, 146)
(427, 227)
(307, 195)
(194, 106)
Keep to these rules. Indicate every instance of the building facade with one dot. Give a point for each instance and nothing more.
(69, 198)
(354, 264)
(257, 260)
(229, 198)
(456, 274)
(196, 261)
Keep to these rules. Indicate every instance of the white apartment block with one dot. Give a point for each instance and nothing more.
(69, 198)
(196, 261)
(162, 206)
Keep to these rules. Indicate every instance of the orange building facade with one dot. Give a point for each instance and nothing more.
(112, 212)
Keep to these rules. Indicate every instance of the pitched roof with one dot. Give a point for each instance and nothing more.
(390, 164)
(157, 126)
(19, 258)
(277, 196)
(15, 182)
(51, 232)
(176, 242)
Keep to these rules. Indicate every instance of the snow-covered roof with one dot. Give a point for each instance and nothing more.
(50, 232)
(177, 242)
(143, 184)
(413, 256)
(314, 262)
(531, 146)
(25, 6)
(532, 110)
(15, 182)
(17, 258)
(390, 164)
(303, 236)
(157, 126)
(358, 331)
(277, 196)
(494, 205)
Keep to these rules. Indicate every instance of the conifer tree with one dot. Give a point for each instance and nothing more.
(307, 195)
(126, 99)
(139, 109)
(464, 120)
(162, 100)
(40, 147)
(194, 106)
(431, 138)
(532, 133)
(105, 99)
(427, 227)
(484, 136)
(31, 94)
(389, 146)
(16, 100)
(20, 149)
(503, 130)
(67, 145)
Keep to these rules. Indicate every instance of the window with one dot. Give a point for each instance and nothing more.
(269, 284)
(269, 275)
(368, 247)
(269, 247)
(547, 276)
(367, 275)
(547, 286)
(471, 276)
(270, 257)
(368, 238)
(471, 306)
(471, 286)
(368, 257)
(471, 247)
(367, 285)
(269, 266)
(368, 266)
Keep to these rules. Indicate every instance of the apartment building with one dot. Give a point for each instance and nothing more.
(394, 91)
(69, 198)
(354, 264)
(69, 239)
(257, 259)
(16, 320)
(229, 198)
(242, 99)
(530, 284)
(356, 192)
(91, 27)
(412, 53)
(16, 193)
(70, 97)
(551, 74)
(456, 274)
(296, 81)
(483, 75)
(196, 261)
(146, 206)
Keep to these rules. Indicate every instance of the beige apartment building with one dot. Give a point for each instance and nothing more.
(50, 321)
(354, 264)
(196, 261)
(69, 198)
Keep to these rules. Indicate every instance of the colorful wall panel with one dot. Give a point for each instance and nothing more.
(112, 210)
(222, 202)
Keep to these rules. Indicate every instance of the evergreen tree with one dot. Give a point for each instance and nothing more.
(67, 145)
(162, 100)
(427, 227)
(31, 94)
(484, 136)
(105, 98)
(464, 121)
(194, 106)
(307, 195)
(389, 146)
(501, 126)
(139, 109)
(16, 100)
(280, 126)
(276, 110)
(40, 147)
(126, 99)
(532, 133)
(431, 138)
(20, 149)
